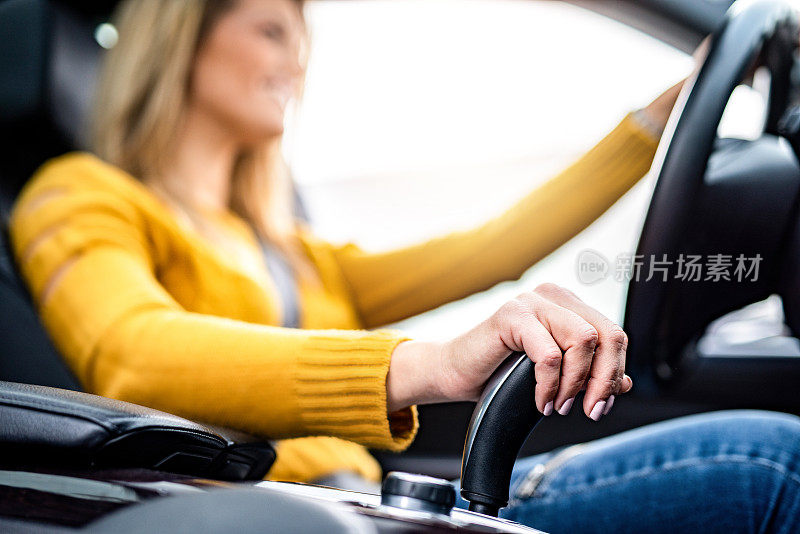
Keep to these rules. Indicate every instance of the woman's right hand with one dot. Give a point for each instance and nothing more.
(572, 345)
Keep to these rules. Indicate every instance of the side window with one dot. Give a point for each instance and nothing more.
(420, 118)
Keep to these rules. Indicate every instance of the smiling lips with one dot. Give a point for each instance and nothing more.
(280, 91)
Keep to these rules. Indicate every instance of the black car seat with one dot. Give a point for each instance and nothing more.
(48, 64)
(48, 58)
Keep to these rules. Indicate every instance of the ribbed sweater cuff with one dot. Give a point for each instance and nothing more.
(341, 388)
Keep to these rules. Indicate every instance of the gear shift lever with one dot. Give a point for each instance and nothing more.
(504, 416)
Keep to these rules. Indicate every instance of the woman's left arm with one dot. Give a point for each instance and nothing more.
(397, 284)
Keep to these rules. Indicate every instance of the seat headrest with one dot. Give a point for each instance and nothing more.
(48, 62)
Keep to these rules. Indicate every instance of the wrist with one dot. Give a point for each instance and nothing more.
(654, 117)
(413, 375)
(647, 122)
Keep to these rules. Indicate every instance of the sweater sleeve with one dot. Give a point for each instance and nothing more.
(390, 286)
(125, 337)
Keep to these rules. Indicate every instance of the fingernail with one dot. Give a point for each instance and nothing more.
(609, 404)
(567, 406)
(548, 408)
(597, 411)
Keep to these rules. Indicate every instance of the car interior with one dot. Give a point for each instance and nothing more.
(686, 352)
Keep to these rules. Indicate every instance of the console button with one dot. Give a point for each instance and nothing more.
(418, 492)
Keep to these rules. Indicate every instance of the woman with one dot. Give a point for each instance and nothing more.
(169, 272)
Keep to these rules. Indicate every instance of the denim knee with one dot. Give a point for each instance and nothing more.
(737, 469)
(740, 436)
(772, 435)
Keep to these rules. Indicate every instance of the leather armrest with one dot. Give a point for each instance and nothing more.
(49, 426)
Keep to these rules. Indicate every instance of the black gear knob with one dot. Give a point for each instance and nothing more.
(503, 418)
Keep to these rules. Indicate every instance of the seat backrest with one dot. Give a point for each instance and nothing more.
(26, 352)
(48, 58)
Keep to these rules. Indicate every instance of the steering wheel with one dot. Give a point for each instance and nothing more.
(700, 208)
(505, 414)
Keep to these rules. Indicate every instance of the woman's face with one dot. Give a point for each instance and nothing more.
(248, 67)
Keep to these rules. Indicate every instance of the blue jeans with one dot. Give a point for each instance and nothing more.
(731, 471)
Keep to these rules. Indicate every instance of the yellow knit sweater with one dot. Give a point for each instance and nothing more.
(147, 311)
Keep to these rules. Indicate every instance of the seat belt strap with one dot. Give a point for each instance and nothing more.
(284, 278)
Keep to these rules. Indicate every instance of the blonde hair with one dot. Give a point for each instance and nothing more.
(141, 98)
